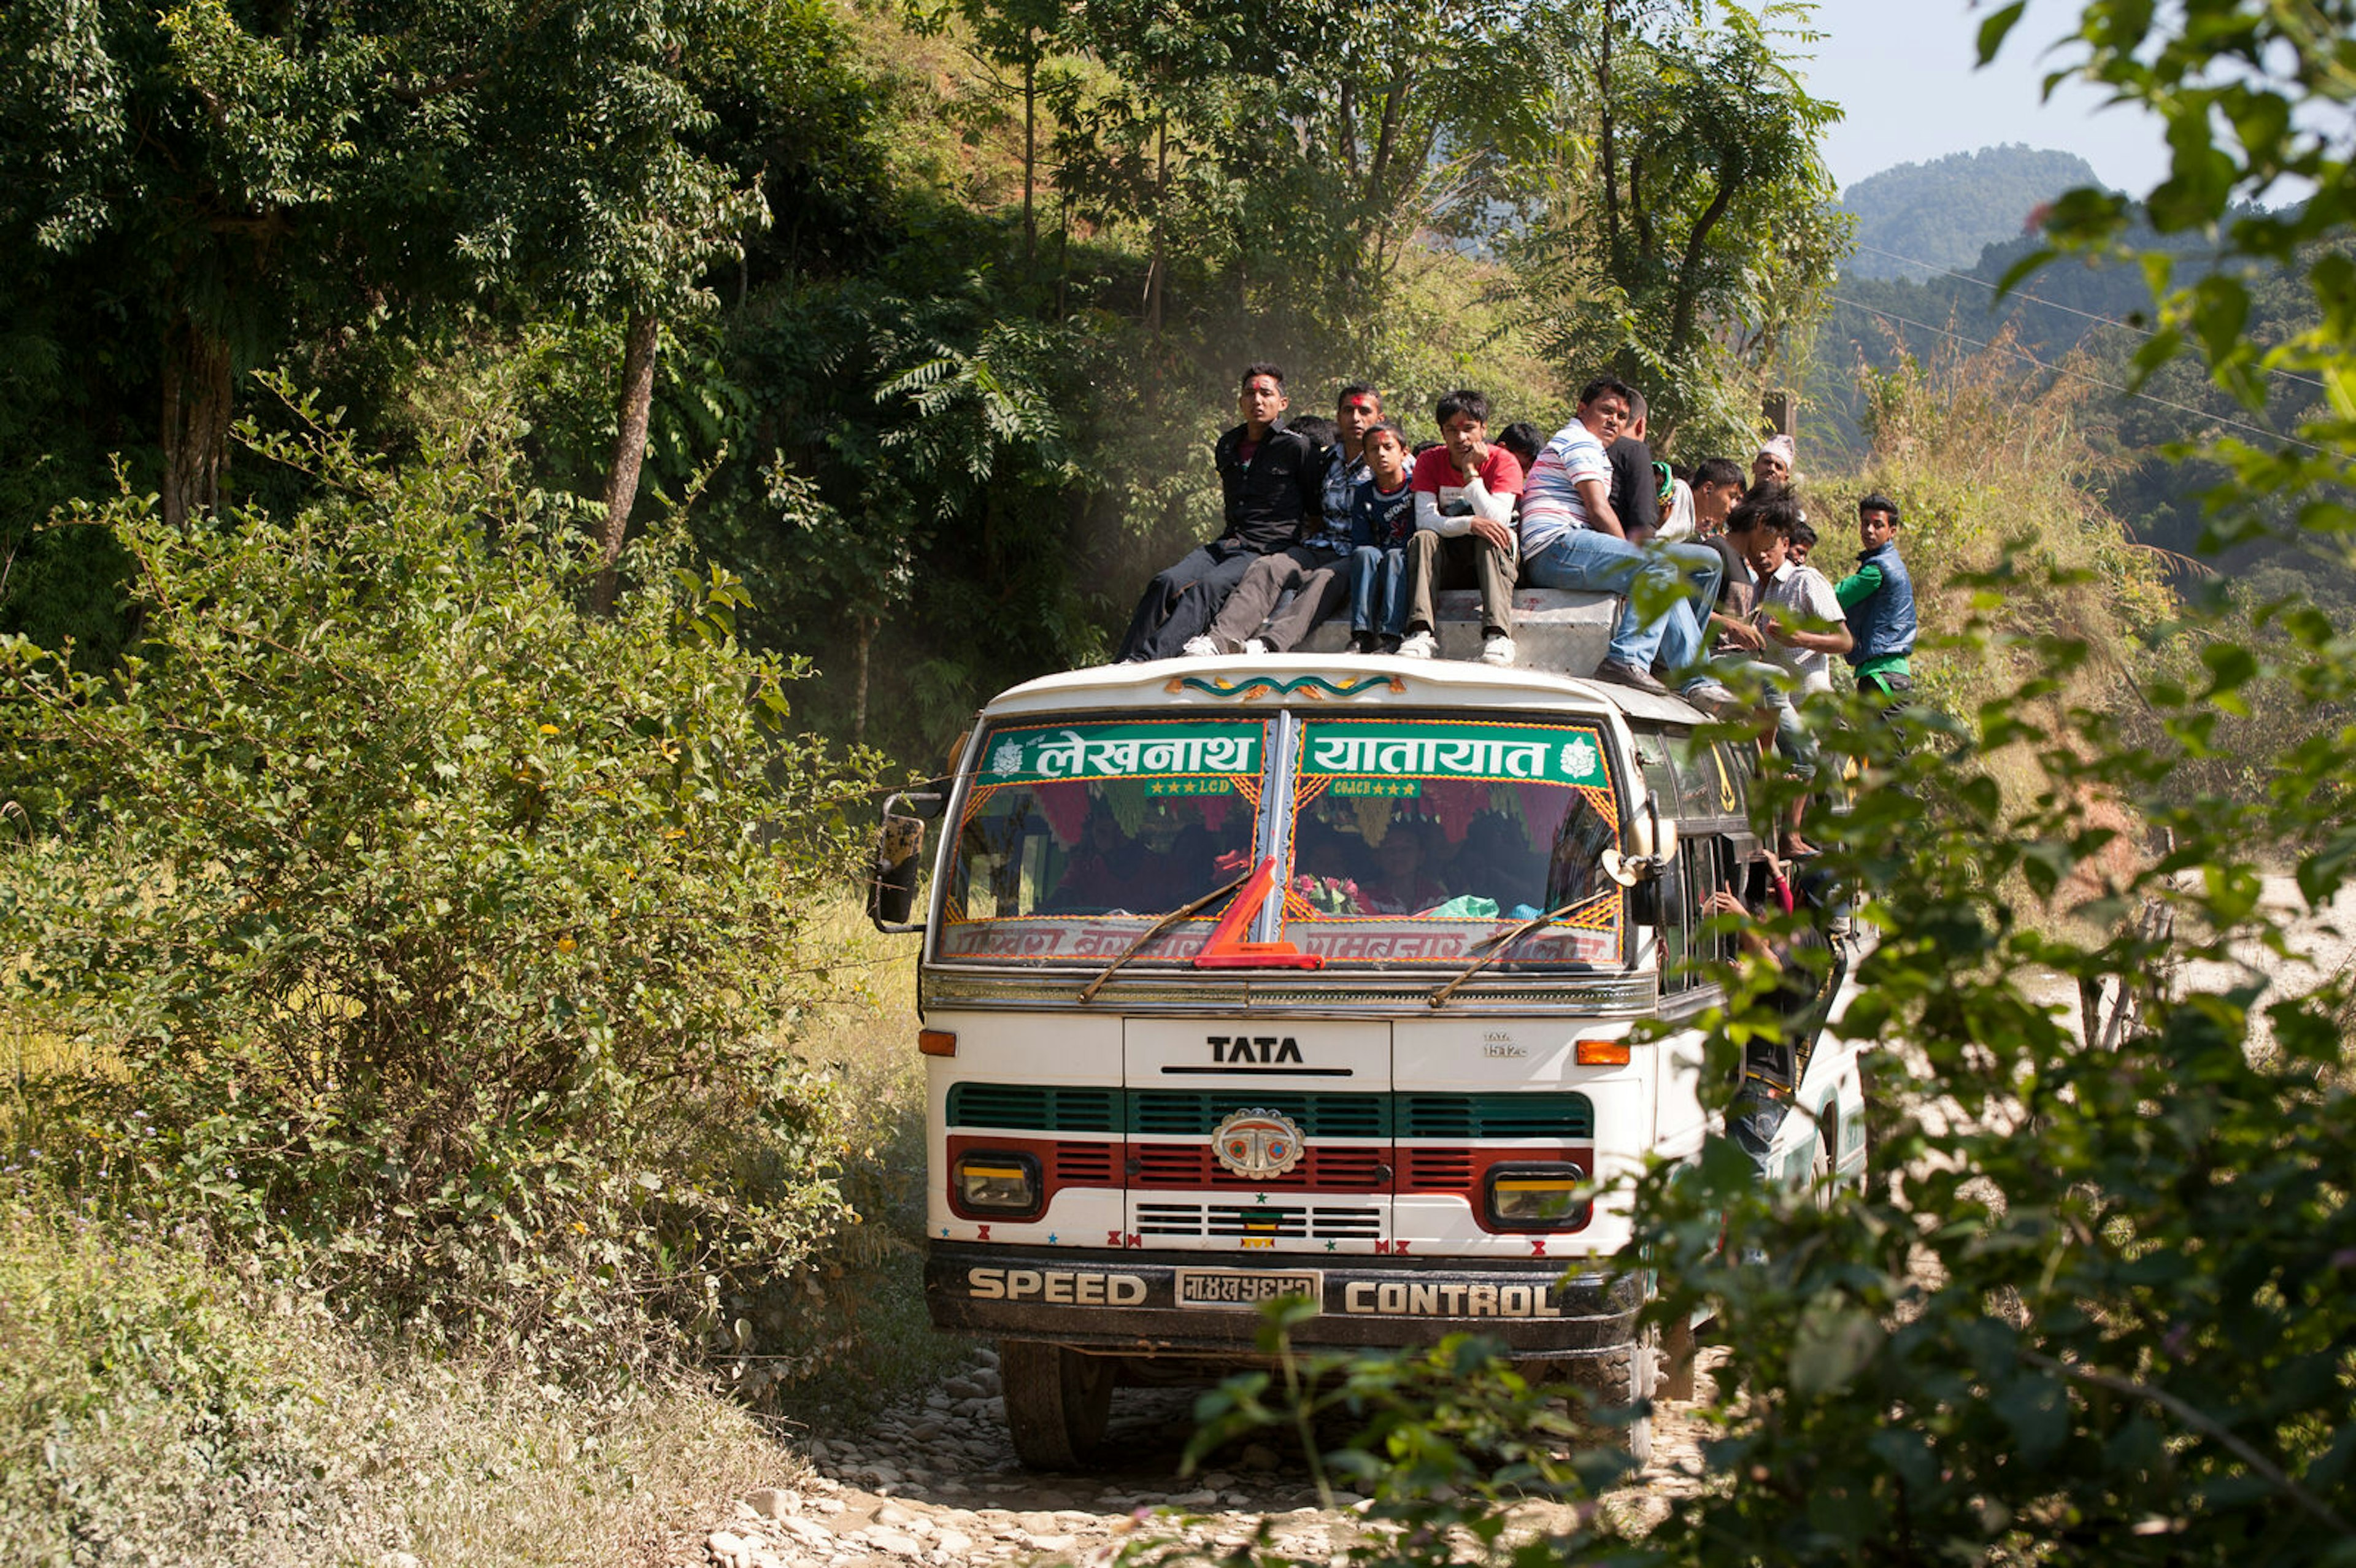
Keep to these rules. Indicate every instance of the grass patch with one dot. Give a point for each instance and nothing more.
(157, 1407)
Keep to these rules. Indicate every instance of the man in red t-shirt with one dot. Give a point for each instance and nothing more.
(1464, 494)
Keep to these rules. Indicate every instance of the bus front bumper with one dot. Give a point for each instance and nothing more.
(1147, 1302)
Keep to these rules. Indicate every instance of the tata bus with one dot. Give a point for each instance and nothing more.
(1322, 976)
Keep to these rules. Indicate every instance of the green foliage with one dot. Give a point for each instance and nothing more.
(441, 934)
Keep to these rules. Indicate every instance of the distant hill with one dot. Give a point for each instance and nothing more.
(1946, 212)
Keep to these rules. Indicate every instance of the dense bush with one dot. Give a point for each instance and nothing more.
(430, 929)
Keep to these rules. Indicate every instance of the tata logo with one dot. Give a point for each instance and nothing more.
(1257, 1143)
(1265, 1047)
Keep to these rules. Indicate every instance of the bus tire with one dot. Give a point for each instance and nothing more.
(1058, 1403)
(1626, 1378)
(1678, 1361)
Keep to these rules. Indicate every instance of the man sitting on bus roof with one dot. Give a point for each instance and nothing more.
(1269, 481)
(1571, 538)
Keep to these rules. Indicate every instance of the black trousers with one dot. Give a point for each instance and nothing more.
(1180, 602)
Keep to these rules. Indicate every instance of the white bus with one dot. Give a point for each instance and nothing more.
(1317, 977)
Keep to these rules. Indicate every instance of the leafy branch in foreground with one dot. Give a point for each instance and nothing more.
(430, 930)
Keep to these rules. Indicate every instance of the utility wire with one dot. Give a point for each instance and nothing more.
(2057, 305)
(2081, 375)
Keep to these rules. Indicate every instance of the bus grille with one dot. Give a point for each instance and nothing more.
(1194, 1166)
(1184, 1113)
(1277, 1220)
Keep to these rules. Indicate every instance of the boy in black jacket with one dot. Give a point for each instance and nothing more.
(1270, 480)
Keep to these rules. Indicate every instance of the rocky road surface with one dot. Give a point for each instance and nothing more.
(934, 1482)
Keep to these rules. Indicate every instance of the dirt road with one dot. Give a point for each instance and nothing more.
(935, 1481)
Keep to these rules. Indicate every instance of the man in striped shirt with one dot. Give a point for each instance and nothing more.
(1571, 538)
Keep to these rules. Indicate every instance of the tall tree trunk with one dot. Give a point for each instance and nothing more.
(1158, 264)
(1030, 156)
(1610, 160)
(865, 645)
(630, 450)
(195, 420)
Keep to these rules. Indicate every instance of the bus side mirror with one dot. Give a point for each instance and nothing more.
(898, 863)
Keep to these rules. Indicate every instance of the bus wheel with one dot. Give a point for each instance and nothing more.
(1678, 1361)
(1625, 1379)
(1058, 1403)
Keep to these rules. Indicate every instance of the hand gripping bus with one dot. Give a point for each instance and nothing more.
(1316, 976)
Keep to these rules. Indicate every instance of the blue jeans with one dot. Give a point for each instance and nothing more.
(1792, 738)
(1647, 574)
(1378, 590)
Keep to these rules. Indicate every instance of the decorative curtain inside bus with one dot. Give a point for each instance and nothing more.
(1075, 834)
(1418, 838)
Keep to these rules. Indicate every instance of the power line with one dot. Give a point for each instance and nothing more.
(2057, 305)
(2079, 375)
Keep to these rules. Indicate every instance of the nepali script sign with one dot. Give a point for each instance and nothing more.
(1120, 750)
(1510, 752)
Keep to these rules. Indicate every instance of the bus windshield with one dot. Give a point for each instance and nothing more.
(1420, 839)
(1075, 834)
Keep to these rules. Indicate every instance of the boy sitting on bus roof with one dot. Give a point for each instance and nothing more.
(1385, 526)
(1464, 494)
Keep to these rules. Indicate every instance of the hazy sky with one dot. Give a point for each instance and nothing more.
(1903, 70)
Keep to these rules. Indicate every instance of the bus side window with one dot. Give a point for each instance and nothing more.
(1660, 776)
(1677, 922)
(1740, 762)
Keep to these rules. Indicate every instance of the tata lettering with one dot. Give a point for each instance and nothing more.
(1265, 1047)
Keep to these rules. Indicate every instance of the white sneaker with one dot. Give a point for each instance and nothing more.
(1201, 647)
(1418, 645)
(1497, 648)
(1256, 647)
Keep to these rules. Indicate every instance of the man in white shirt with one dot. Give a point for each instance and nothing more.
(1572, 538)
(1464, 494)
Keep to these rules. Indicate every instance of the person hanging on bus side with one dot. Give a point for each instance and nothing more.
(1572, 538)
(1878, 601)
(1269, 480)
(1797, 624)
(1464, 494)
(1385, 526)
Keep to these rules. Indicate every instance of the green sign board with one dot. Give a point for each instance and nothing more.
(1120, 751)
(1516, 754)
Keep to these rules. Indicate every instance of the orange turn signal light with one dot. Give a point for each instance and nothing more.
(943, 1042)
(1602, 1053)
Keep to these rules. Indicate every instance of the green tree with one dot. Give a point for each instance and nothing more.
(1680, 225)
(425, 930)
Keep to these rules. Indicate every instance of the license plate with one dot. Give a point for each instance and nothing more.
(1246, 1290)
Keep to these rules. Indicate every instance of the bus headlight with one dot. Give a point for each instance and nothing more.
(991, 1181)
(1538, 1197)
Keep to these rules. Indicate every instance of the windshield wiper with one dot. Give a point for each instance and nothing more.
(1497, 946)
(1088, 991)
